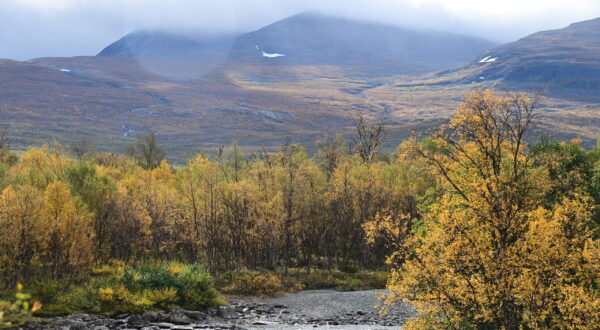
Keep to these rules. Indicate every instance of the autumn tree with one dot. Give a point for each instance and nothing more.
(23, 231)
(154, 191)
(266, 241)
(199, 185)
(360, 193)
(5, 154)
(146, 151)
(368, 138)
(493, 254)
(82, 149)
(331, 152)
(233, 163)
(412, 187)
(70, 250)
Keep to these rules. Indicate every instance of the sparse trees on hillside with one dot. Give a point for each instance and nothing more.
(81, 149)
(368, 138)
(146, 151)
(331, 152)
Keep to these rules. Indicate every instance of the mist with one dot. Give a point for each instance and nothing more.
(42, 28)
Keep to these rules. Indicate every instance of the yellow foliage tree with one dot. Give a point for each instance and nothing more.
(70, 248)
(23, 231)
(198, 184)
(491, 255)
(39, 167)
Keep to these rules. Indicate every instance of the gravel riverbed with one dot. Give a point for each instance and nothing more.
(315, 309)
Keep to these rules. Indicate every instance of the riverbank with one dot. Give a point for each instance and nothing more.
(320, 309)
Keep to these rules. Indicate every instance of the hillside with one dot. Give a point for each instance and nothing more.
(566, 62)
(204, 91)
(360, 48)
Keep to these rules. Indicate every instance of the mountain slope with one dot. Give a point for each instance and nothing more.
(565, 61)
(202, 92)
(313, 39)
(171, 46)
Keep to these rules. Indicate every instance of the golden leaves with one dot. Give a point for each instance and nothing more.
(493, 254)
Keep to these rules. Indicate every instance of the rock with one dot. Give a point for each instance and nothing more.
(151, 316)
(101, 327)
(70, 325)
(32, 325)
(163, 325)
(212, 311)
(195, 315)
(226, 312)
(259, 323)
(264, 309)
(136, 320)
(178, 317)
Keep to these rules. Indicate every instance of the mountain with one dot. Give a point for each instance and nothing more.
(209, 49)
(313, 39)
(295, 80)
(564, 61)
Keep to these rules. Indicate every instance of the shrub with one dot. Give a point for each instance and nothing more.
(321, 280)
(18, 311)
(253, 283)
(45, 289)
(117, 289)
(350, 269)
(330, 279)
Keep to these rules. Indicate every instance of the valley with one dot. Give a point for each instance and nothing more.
(224, 165)
(198, 94)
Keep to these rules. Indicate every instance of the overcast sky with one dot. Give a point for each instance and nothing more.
(39, 28)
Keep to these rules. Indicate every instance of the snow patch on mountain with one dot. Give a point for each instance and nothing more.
(488, 59)
(272, 55)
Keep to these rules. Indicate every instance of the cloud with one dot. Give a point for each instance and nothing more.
(36, 28)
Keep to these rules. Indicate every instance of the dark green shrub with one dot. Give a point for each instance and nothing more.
(349, 269)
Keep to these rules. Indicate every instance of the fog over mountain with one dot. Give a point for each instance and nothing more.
(37, 28)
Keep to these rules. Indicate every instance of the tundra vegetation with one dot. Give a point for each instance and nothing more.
(474, 225)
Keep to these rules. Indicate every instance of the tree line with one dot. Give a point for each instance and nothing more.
(61, 214)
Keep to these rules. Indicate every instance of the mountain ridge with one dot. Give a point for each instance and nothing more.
(565, 61)
(313, 39)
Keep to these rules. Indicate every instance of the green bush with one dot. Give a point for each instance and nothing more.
(321, 279)
(117, 289)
